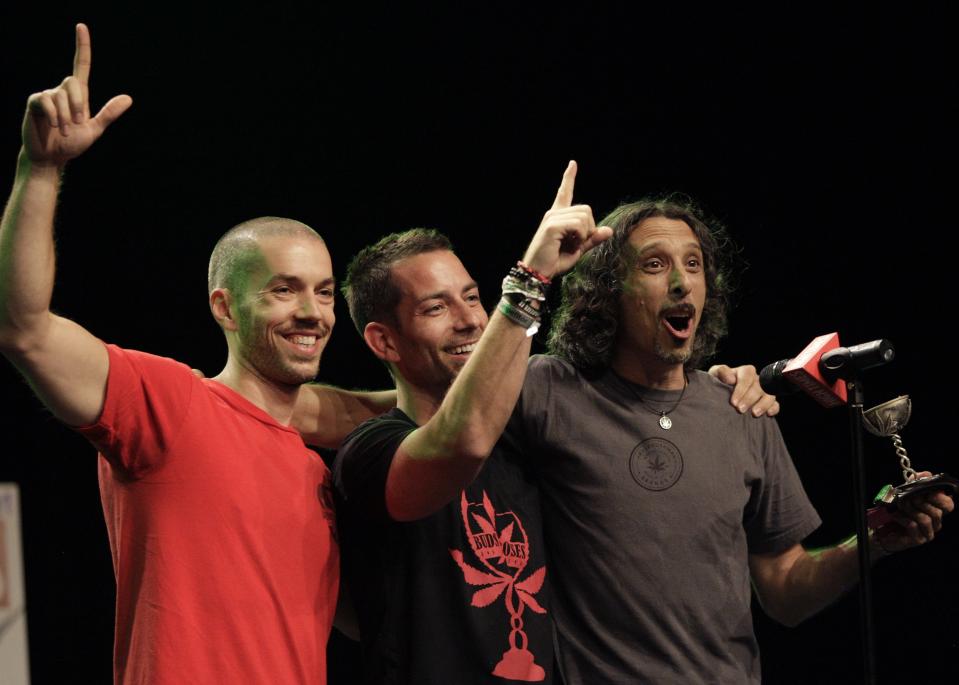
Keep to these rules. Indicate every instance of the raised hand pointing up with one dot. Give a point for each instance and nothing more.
(566, 232)
(57, 125)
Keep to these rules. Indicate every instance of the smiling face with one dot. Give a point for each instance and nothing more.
(438, 320)
(283, 309)
(663, 298)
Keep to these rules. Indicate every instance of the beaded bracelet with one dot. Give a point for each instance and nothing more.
(533, 272)
(518, 316)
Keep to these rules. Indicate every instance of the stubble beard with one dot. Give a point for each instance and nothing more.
(676, 355)
(280, 371)
(270, 363)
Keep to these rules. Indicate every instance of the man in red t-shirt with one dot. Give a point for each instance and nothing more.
(219, 518)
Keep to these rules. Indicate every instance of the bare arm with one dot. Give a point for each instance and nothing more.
(435, 462)
(795, 584)
(66, 366)
(324, 414)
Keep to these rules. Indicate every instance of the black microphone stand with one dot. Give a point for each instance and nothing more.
(854, 388)
(848, 363)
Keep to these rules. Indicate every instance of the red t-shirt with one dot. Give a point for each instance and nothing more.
(222, 532)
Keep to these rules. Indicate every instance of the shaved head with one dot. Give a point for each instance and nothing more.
(237, 250)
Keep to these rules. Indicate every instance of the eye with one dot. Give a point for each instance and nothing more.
(654, 264)
(283, 290)
(473, 298)
(325, 294)
(694, 263)
(434, 308)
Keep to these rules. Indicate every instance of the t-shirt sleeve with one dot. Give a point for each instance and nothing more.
(363, 463)
(779, 513)
(147, 400)
(526, 423)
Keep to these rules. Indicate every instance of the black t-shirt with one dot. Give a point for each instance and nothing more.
(457, 597)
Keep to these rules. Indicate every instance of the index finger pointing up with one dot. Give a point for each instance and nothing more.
(564, 196)
(81, 58)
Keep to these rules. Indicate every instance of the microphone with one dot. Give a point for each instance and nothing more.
(822, 367)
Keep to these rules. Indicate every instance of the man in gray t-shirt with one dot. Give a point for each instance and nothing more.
(660, 501)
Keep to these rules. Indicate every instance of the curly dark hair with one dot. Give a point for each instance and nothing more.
(585, 324)
(369, 289)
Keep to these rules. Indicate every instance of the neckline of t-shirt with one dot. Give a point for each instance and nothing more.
(400, 414)
(654, 394)
(238, 401)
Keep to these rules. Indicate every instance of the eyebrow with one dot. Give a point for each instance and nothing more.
(290, 278)
(441, 294)
(693, 245)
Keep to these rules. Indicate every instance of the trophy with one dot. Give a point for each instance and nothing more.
(886, 421)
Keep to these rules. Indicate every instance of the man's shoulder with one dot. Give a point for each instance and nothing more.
(395, 417)
(144, 361)
(378, 428)
(548, 365)
(708, 392)
(710, 386)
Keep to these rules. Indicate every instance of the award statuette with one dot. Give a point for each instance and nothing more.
(885, 421)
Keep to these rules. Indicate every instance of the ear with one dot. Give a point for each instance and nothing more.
(379, 338)
(221, 303)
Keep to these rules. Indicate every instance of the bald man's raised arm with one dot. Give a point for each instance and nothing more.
(66, 366)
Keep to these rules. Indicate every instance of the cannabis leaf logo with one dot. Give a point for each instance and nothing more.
(496, 548)
(503, 559)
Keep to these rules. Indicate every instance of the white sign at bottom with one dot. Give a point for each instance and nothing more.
(13, 600)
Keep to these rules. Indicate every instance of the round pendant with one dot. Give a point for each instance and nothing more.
(665, 422)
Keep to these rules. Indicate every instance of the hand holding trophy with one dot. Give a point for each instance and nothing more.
(887, 420)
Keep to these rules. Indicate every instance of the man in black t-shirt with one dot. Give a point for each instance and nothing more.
(442, 542)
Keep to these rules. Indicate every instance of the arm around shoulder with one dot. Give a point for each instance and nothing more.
(324, 414)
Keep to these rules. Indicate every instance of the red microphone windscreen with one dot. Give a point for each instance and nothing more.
(803, 371)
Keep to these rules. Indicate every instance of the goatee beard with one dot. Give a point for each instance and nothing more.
(675, 356)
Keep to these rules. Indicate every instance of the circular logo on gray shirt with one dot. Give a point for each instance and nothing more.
(656, 464)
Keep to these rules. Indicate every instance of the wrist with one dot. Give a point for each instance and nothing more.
(524, 297)
(877, 550)
(541, 272)
(26, 166)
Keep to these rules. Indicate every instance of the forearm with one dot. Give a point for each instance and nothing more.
(815, 579)
(325, 415)
(27, 257)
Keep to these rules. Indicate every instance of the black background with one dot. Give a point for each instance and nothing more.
(822, 135)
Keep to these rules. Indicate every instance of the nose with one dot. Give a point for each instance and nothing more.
(679, 283)
(309, 308)
(469, 316)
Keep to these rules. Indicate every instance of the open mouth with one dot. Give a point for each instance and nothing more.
(679, 321)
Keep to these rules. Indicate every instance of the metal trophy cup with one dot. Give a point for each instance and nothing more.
(885, 421)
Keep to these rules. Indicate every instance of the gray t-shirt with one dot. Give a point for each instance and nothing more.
(649, 530)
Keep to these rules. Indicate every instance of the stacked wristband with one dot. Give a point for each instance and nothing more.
(521, 287)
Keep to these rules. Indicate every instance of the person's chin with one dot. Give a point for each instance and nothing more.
(302, 372)
(675, 354)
